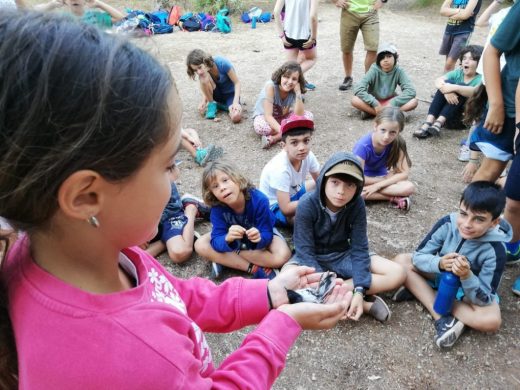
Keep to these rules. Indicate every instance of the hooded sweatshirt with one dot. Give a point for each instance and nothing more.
(486, 255)
(379, 85)
(320, 243)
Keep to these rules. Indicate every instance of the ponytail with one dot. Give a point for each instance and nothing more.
(8, 355)
(398, 146)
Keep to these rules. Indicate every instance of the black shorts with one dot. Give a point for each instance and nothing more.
(297, 44)
(513, 176)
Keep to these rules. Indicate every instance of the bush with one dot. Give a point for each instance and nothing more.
(213, 6)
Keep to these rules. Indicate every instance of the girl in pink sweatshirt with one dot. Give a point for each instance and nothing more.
(90, 126)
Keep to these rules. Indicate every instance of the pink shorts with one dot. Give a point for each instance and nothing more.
(261, 126)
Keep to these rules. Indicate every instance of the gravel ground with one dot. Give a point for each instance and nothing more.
(366, 354)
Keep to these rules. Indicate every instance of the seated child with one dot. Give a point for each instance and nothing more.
(470, 244)
(377, 89)
(218, 82)
(279, 98)
(453, 90)
(243, 236)
(385, 160)
(98, 12)
(283, 178)
(176, 232)
(330, 234)
(191, 142)
(461, 22)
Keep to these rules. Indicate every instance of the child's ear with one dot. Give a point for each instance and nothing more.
(495, 222)
(80, 195)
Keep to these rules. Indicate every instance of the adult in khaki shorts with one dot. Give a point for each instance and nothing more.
(358, 15)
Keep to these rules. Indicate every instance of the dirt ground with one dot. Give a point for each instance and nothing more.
(366, 354)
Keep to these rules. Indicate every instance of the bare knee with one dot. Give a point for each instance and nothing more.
(408, 188)
(202, 246)
(405, 261)
(179, 254)
(489, 323)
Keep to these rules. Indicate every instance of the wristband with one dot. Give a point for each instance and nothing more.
(360, 291)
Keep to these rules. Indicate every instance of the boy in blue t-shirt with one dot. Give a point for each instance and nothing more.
(470, 244)
(461, 22)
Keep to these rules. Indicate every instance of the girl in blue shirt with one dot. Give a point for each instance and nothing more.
(219, 84)
(243, 235)
(385, 160)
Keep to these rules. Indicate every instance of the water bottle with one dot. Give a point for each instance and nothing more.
(446, 293)
(253, 22)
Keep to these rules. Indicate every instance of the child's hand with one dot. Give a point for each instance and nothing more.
(369, 190)
(192, 137)
(447, 88)
(342, 4)
(235, 232)
(298, 89)
(495, 119)
(461, 267)
(356, 307)
(447, 261)
(291, 278)
(451, 98)
(235, 108)
(320, 316)
(202, 107)
(253, 235)
(285, 42)
(468, 172)
(307, 44)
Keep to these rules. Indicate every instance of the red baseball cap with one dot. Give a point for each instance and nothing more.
(296, 121)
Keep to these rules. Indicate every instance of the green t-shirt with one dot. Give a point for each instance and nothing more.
(361, 6)
(457, 77)
(98, 18)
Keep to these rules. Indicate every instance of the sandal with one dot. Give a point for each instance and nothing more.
(422, 132)
(434, 129)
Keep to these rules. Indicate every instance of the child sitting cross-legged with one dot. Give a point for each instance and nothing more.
(453, 89)
(284, 177)
(330, 234)
(385, 160)
(243, 236)
(471, 245)
(201, 155)
(377, 89)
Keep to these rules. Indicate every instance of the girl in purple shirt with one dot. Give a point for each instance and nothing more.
(385, 160)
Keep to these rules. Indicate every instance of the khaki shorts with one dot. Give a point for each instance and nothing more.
(351, 23)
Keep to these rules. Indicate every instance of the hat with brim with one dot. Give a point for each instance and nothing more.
(296, 122)
(346, 168)
(387, 48)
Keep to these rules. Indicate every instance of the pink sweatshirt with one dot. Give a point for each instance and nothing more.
(149, 337)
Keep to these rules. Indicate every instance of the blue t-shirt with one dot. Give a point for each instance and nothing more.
(507, 40)
(375, 164)
(256, 214)
(224, 83)
(455, 27)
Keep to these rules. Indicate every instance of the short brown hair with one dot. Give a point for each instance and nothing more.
(197, 57)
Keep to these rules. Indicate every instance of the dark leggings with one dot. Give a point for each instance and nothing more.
(452, 112)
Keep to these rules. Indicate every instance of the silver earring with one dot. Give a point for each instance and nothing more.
(93, 221)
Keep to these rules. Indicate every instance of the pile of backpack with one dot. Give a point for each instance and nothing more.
(163, 22)
(256, 12)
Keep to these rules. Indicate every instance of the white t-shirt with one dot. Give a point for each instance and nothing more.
(297, 20)
(279, 175)
(7, 4)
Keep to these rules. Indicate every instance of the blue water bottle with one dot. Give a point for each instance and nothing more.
(446, 293)
(253, 22)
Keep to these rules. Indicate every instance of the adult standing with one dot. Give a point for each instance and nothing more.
(298, 30)
(358, 15)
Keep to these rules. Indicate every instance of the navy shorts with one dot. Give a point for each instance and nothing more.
(513, 176)
(280, 219)
(297, 44)
(494, 146)
(223, 98)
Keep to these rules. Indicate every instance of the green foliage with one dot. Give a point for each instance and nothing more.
(213, 6)
(428, 3)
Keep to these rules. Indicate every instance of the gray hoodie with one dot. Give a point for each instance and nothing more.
(486, 255)
(324, 245)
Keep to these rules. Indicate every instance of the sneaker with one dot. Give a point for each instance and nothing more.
(401, 202)
(365, 115)
(346, 84)
(449, 330)
(402, 294)
(216, 270)
(379, 309)
(211, 110)
(310, 86)
(215, 153)
(464, 152)
(203, 210)
(202, 155)
(512, 258)
(516, 286)
(264, 273)
(222, 107)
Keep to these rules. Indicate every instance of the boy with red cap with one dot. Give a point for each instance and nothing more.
(284, 178)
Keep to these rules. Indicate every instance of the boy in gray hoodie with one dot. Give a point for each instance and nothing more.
(377, 88)
(330, 234)
(471, 244)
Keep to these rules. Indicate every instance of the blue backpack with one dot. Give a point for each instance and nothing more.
(159, 21)
(190, 22)
(223, 22)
